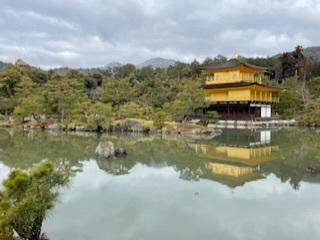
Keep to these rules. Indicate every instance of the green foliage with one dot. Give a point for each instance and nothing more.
(63, 94)
(159, 118)
(92, 115)
(314, 87)
(9, 77)
(314, 114)
(27, 196)
(311, 114)
(210, 117)
(188, 101)
(289, 104)
(118, 92)
(80, 96)
(133, 110)
(6, 105)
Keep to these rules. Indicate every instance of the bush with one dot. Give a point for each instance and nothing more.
(210, 117)
(132, 110)
(159, 118)
(289, 104)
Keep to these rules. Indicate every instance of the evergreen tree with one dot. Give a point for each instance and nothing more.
(26, 197)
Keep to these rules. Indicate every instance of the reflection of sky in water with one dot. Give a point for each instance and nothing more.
(154, 203)
(4, 171)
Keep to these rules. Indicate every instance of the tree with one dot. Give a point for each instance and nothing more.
(124, 71)
(63, 94)
(289, 104)
(156, 92)
(210, 117)
(9, 77)
(189, 99)
(94, 115)
(132, 110)
(159, 118)
(315, 112)
(314, 87)
(26, 197)
(6, 105)
(296, 64)
(29, 99)
(195, 69)
(118, 92)
(207, 62)
(220, 59)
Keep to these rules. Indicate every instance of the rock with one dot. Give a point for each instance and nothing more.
(31, 124)
(205, 133)
(120, 152)
(105, 150)
(312, 170)
(45, 123)
(80, 128)
(130, 126)
(54, 127)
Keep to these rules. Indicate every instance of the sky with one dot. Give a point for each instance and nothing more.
(89, 33)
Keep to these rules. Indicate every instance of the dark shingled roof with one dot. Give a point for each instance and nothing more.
(231, 64)
(236, 84)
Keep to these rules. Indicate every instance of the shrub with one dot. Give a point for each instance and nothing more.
(210, 117)
(159, 118)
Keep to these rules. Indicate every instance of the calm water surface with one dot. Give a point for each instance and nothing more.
(239, 185)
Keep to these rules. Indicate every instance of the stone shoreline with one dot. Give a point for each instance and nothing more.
(139, 126)
(124, 126)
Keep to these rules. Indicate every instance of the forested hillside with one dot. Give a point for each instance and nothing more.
(313, 52)
(93, 98)
(2, 64)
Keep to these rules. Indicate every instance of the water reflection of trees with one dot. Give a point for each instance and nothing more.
(297, 149)
(34, 146)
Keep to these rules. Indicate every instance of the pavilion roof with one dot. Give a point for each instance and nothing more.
(233, 63)
(237, 85)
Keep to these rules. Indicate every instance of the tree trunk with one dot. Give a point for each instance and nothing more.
(36, 228)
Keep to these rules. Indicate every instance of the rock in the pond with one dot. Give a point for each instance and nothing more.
(120, 152)
(105, 150)
(54, 127)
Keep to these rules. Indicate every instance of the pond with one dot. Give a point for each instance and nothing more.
(243, 184)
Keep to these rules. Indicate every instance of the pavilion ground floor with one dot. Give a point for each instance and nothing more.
(242, 110)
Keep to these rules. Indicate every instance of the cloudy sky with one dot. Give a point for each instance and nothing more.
(84, 33)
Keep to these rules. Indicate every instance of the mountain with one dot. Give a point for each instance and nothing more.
(3, 64)
(157, 63)
(113, 64)
(20, 62)
(313, 52)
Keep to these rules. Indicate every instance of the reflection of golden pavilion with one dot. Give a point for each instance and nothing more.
(230, 170)
(250, 155)
(234, 160)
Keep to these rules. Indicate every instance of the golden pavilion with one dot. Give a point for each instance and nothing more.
(234, 89)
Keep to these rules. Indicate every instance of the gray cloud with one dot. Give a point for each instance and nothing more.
(82, 33)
